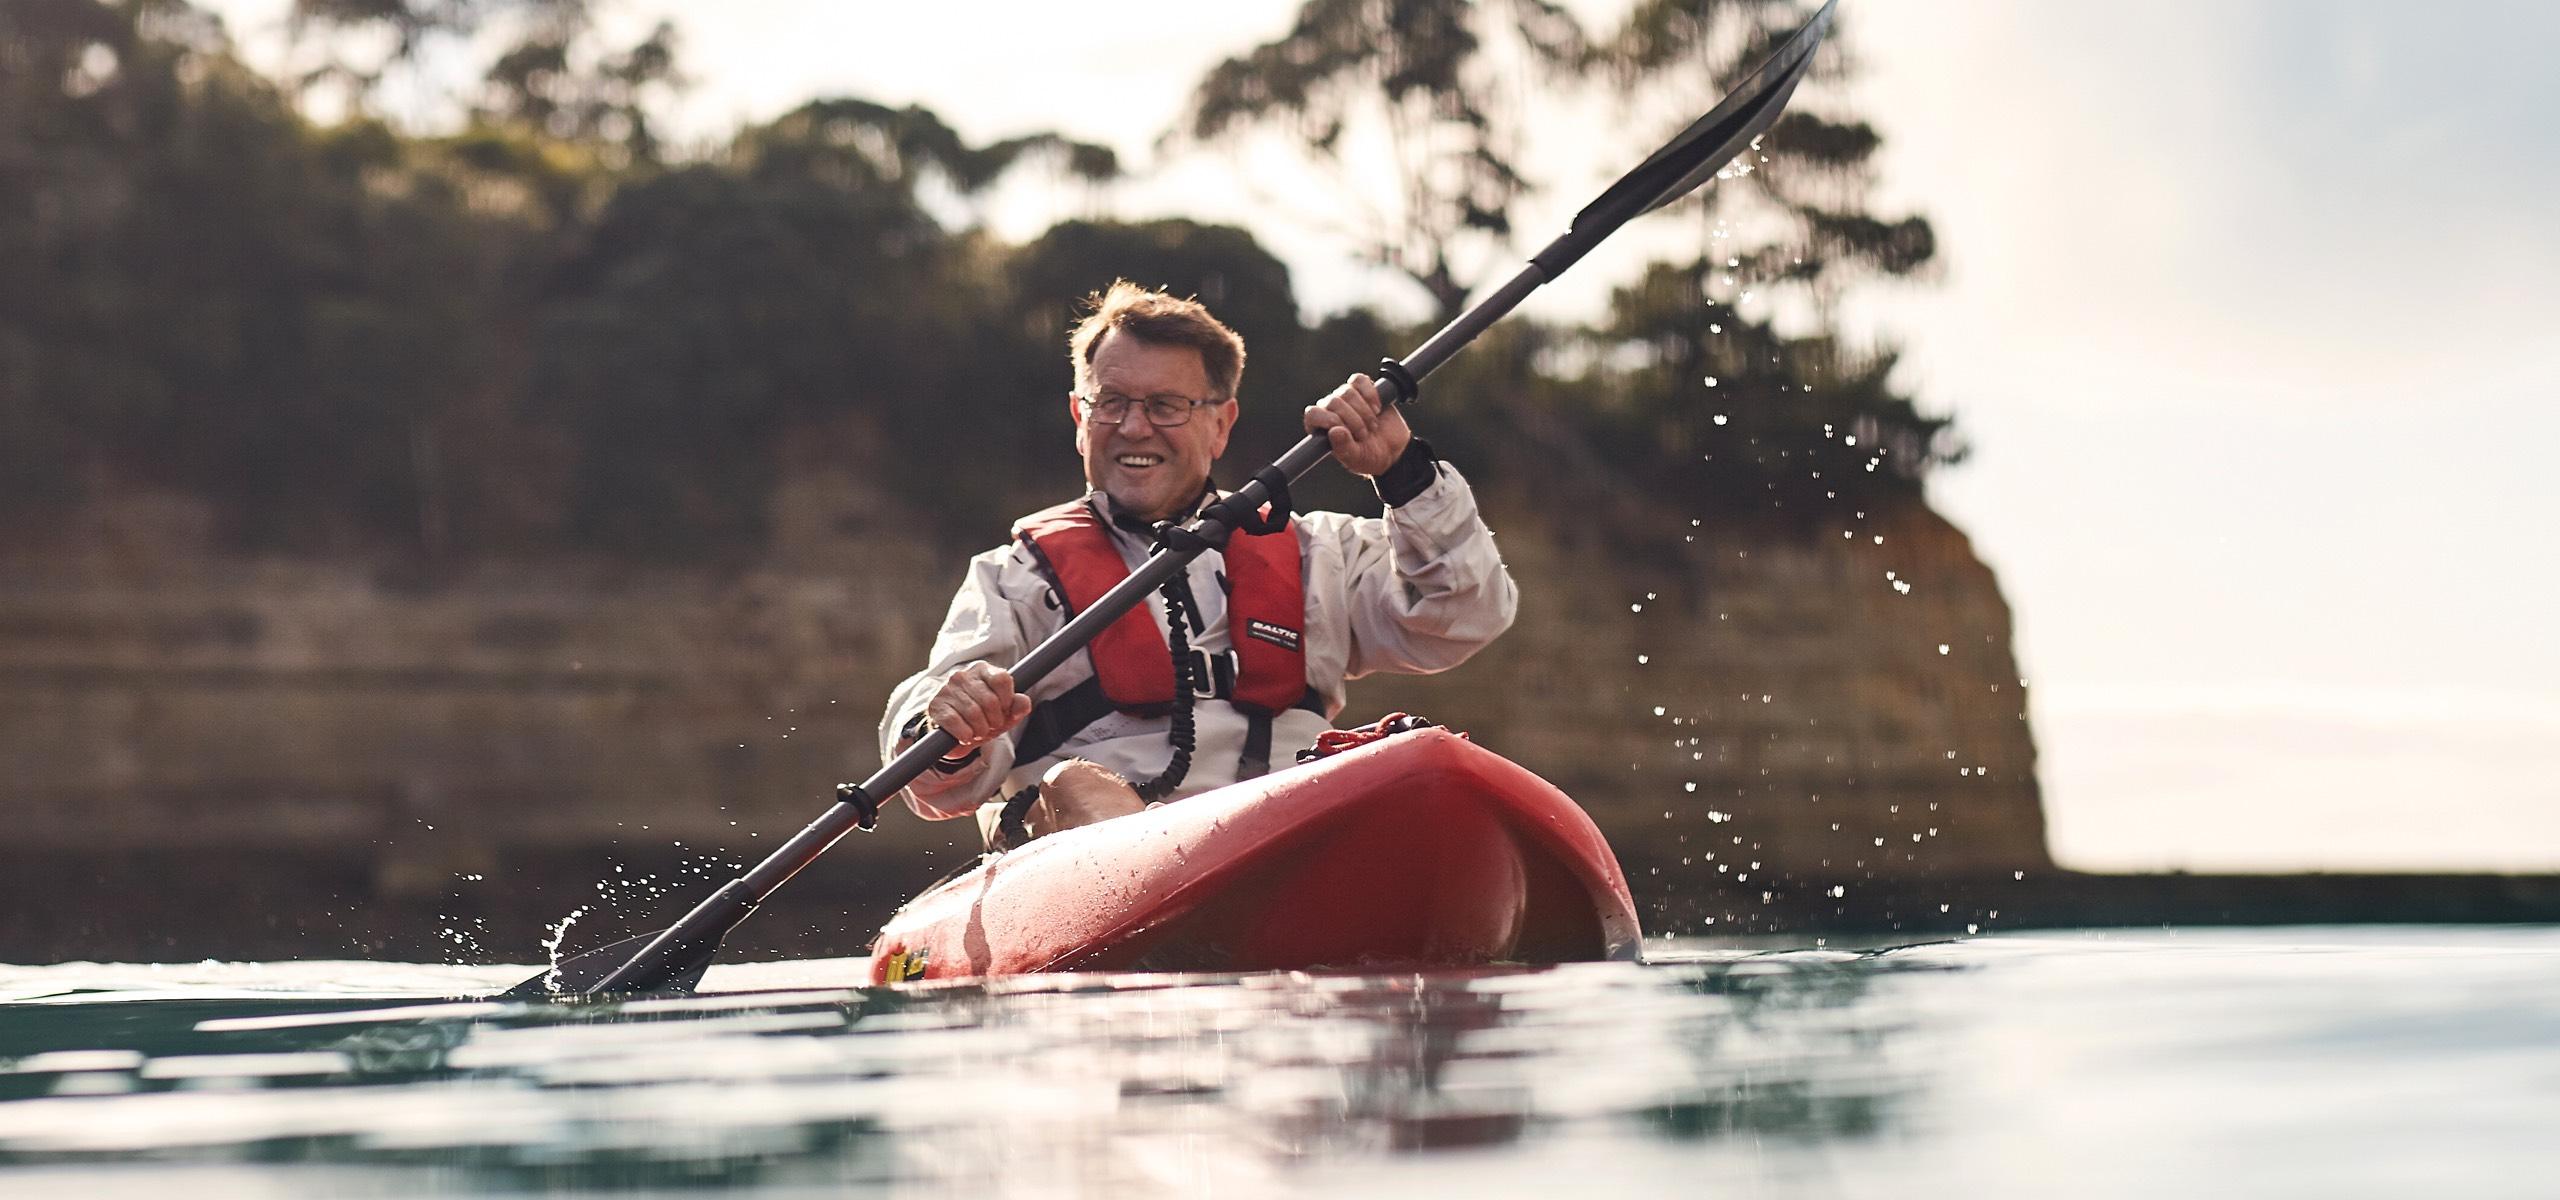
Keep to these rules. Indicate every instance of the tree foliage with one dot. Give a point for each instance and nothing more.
(537, 328)
(1728, 362)
(1429, 76)
(1683, 363)
(514, 335)
(797, 277)
(206, 291)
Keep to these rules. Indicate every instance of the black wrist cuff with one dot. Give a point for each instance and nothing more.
(1412, 474)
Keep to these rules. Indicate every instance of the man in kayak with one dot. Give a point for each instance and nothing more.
(1271, 628)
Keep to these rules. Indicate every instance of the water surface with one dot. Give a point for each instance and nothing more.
(2299, 1062)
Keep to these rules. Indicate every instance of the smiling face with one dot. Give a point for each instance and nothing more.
(1151, 473)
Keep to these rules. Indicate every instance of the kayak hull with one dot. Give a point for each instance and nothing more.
(1418, 850)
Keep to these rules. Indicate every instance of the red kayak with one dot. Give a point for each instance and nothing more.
(1418, 850)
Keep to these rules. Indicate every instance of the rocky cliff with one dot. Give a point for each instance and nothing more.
(428, 761)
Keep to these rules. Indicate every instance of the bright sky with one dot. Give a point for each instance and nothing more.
(2245, 313)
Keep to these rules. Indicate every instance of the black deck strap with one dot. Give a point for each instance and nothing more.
(1255, 762)
(1011, 832)
(852, 793)
(1408, 388)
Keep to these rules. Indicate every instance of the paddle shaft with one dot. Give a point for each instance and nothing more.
(1670, 173)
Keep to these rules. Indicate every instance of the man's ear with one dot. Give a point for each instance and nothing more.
(1075, 417)
(1226, 417)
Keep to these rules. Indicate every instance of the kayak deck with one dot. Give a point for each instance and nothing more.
(1419, 850)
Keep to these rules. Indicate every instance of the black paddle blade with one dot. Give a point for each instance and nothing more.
(1714, 139)
(577, 977)
(1693, 157)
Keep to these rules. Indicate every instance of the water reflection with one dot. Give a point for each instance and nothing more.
(1139, 1085)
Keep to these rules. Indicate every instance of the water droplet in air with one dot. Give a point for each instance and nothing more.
(1719, 420)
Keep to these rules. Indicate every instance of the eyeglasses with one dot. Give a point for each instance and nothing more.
(1163, 412)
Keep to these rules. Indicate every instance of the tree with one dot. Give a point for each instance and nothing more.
(1739, 329)
(554, 84)
(554, 78)
(797, 277)
(205, 291)
(1427, 76)
(1740, 412)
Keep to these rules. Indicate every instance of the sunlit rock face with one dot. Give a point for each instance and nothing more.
(1752, 709)
(1804, 707)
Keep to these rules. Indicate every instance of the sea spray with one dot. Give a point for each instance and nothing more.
(558, 936)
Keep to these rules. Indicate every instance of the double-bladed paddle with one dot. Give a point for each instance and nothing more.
(673, 959)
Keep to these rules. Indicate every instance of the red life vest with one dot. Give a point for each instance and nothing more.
(1266, 611)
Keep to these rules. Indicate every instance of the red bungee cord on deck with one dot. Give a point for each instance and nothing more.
(1334, 741)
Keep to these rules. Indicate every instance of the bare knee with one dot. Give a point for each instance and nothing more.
(1077, 792)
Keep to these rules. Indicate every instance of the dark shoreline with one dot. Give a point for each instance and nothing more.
(2073, 900)
(186, 906)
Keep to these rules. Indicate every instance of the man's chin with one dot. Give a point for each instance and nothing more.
(1139, 510)
(1146, 504)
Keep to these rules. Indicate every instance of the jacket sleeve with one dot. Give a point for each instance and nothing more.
(1427, 589)
(984, 625)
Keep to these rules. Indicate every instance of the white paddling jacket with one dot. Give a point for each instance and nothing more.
(1415, 592)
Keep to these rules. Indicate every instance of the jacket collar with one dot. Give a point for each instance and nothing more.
(1143, 530)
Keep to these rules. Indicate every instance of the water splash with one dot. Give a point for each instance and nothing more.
(555, 936)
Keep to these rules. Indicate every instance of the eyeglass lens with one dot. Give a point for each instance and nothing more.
(1163, 412)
